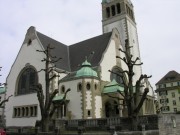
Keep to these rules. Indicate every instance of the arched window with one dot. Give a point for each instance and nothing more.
(79, 87)
(88, 86)
(27, 79)
(117, 75)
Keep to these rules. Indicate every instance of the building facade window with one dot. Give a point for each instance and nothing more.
(164, 101)
(174, 102)
(163, 93)
(165, 108)
(178, 83)
(175, 110)
(173, 94)
(28, 78)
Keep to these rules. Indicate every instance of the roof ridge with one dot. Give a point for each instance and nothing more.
(171, 74)
(90, 38)
(50, 38)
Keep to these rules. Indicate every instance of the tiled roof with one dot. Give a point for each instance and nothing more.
(75, 54)
(60, 51)
(171, 76)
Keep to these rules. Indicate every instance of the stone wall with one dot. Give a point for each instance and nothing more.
(169, 124)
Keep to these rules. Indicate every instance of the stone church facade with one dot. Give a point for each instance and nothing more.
(86, 66)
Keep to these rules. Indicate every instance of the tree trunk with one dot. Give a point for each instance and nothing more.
(135, 123)
(45, 124)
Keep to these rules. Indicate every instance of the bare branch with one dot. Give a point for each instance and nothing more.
(54, 61)
(146, 90)
(121, 50)
(6, 100)
(123, 59)
(54, 76)
(52, 95)
(41, 70)
(50, 47)
(138, 64)
(121, 93)
(41, 51)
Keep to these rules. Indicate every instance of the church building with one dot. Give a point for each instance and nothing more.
(83, 69)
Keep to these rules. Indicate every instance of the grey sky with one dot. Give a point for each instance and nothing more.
(71, 21)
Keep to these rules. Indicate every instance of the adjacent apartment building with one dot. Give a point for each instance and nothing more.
(168, 92)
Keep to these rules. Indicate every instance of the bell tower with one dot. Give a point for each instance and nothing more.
(119, 14)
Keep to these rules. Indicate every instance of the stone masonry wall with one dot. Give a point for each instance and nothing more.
(169, 124)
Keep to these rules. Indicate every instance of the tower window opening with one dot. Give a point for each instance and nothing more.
(79, 87)
(118, 8)
(128, 10)
(107, 12)
(113, 10)
(89, 113)
(63, 89)
(88, 86)
(27, 111)
(132, 14)
(23, 112)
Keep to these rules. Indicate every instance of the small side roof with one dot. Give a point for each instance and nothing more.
(2, 90)
(113, 87)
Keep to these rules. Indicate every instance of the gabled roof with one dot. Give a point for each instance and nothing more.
(75, 54)
(171, 76)
(60, 51)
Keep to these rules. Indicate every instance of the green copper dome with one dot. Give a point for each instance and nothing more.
(86, 70)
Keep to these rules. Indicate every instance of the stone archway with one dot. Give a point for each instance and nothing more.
(111, 109)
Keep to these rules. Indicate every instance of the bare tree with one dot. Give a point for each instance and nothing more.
(45, 98)
(132, 96)
(6, 99)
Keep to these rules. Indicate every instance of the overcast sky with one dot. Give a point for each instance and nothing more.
(71, 21)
